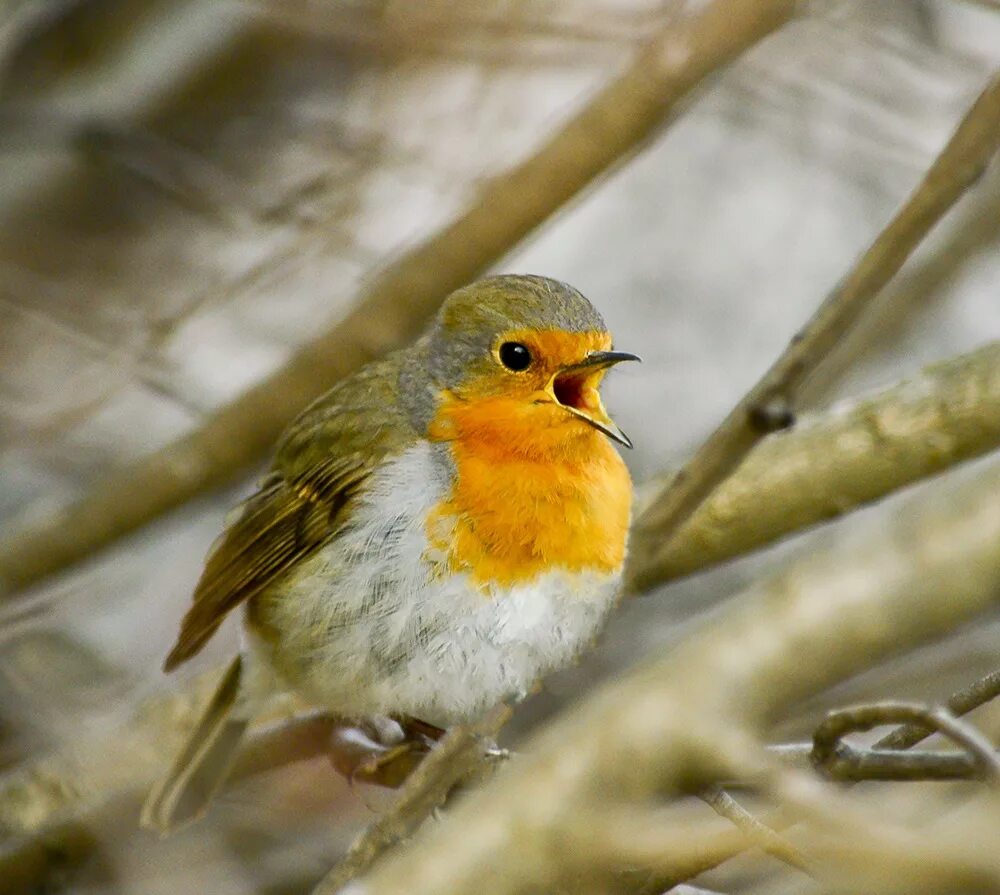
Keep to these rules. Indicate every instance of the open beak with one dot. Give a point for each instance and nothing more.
(576, 388)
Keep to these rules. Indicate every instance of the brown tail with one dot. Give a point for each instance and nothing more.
(202, 765)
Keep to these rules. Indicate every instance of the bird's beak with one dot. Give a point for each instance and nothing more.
(576, 388)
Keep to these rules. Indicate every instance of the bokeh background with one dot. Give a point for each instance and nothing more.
(192, 189)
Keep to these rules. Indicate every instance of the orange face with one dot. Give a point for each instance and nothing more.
(539, 398)
(538, 484)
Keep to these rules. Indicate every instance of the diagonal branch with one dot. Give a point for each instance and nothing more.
(769, 405)
(835, 461)
(769, 840)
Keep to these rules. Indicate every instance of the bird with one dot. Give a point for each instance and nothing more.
(436, 533)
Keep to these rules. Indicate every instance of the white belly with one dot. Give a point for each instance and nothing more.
(369, 628)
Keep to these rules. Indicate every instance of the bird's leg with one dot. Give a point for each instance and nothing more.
(383, 751)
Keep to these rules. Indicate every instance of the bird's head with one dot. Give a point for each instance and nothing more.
(519, 360)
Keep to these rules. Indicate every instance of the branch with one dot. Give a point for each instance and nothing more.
(686, 719)
(768, 406)
(961, 703)
(756, 830)
(835, 461)
(399, 302)
(459, 755)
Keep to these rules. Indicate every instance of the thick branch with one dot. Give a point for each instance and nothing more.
(768, 405)
(399, 302)
(835, 461)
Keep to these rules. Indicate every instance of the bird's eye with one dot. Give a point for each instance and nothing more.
(515, 356)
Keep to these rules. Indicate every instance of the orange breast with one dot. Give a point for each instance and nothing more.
(535, 490)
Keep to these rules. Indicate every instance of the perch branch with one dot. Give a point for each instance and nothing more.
(769, 405)
(401, 299)
(459, 755)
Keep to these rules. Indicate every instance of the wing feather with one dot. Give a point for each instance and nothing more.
(321, 465)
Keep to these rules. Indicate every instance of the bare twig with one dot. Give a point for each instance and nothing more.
(841, 722)
(960, 703)
(398, 303)
(458, 755)
(756, 830)
(768, 406)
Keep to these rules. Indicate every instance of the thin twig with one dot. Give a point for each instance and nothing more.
(841, 722)
(458, 755)
(756, 830)
(398, 303)
(978, 693)
(769, 405)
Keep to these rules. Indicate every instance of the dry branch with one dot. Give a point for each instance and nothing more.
(768, 406)
(685, 719)
(832, 462)
(459, 755)
(960, 703)
(399, 301)
(756, 830)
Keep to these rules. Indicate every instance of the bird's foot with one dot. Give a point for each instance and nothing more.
(383, 751)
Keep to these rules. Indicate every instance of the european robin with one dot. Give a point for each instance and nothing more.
(436, 533)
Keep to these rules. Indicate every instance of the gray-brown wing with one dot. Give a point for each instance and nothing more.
(321, 464)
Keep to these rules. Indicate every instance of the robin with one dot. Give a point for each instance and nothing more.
(437, 532)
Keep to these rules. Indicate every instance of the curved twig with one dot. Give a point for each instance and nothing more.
(840, 722)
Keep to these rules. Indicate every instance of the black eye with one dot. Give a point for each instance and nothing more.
(515, 356)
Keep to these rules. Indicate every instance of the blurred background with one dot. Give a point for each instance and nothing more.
(192, 189)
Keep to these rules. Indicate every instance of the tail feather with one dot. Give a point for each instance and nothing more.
(202, 765)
